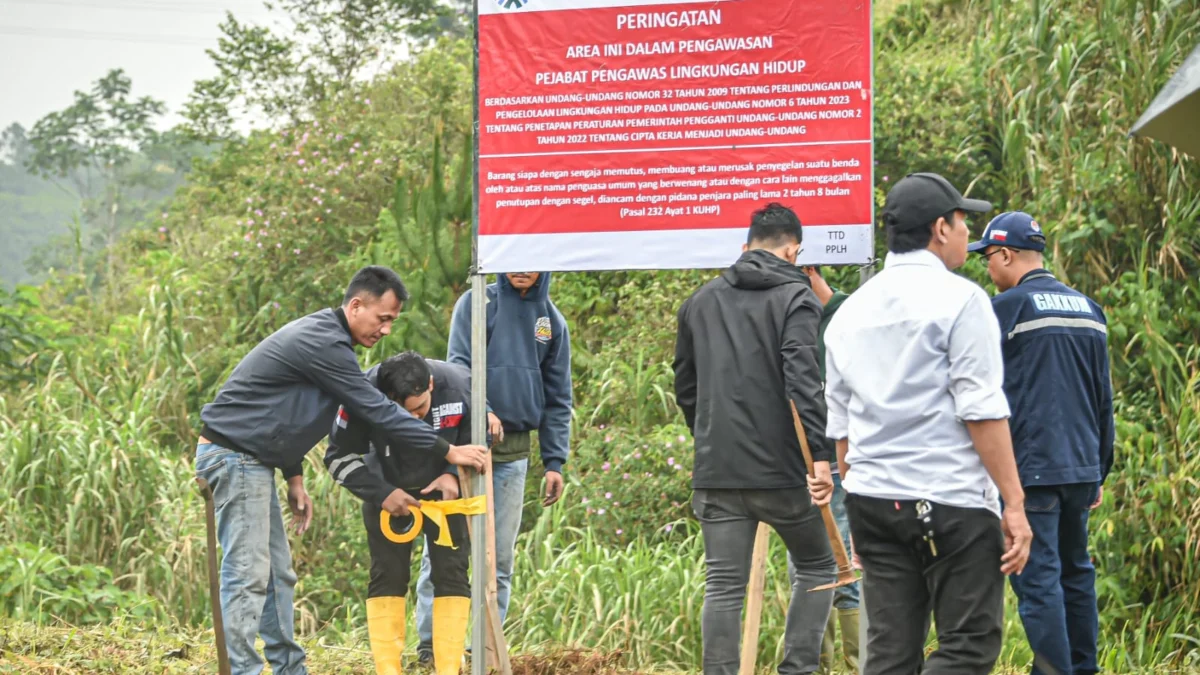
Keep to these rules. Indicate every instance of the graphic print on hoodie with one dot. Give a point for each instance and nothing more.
(528, 362)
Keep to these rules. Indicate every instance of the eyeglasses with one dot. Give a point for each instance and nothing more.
(989, 255)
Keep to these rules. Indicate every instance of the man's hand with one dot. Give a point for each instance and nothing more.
(1018, 537)
(470, 456)
(1099, 498)
(399, 502)
(819, 285)
(301, 505)
(554, 487)
(445, 484)
(820, 486)
(495, 428)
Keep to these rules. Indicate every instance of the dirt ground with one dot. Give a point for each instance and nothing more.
(135, 650)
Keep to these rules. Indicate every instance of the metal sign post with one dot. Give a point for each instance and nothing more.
(479, 565)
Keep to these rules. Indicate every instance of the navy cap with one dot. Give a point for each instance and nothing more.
(918, 199)
(1014, 229)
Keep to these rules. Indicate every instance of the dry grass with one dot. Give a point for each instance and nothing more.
(139, 650)
(130, 649)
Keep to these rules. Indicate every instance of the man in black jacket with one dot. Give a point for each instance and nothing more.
(277, 404)
(747, 344)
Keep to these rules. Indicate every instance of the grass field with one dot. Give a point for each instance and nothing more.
(134, 649)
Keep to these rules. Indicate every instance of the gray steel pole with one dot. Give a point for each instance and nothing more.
(479, 566)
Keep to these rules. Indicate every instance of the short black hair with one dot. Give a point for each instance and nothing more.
(403, 375)
(774, 225)
(913, 238)
(375, 281)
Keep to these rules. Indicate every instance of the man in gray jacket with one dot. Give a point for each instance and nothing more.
(276, 405)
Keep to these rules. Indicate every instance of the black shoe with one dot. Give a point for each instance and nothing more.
(425, 656)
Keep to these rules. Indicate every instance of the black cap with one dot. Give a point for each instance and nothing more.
(918, 199)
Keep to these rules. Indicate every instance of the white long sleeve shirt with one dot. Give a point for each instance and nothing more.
(909, 357)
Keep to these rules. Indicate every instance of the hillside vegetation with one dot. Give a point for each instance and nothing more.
(1029, 103)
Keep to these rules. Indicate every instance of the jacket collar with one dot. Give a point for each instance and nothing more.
(341, 317)
(1040, 273)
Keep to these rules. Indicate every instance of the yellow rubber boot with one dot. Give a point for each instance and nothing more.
(385, 626)
(848, 625)
(450, 617)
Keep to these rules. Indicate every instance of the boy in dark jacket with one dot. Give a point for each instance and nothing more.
(747, 344)
(528, 389)
(1056, 379)
(387, 479)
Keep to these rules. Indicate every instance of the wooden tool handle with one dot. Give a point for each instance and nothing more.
(214, 580)
(831, 528)
(754, 600)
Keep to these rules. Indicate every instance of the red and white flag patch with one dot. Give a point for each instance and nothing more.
(343, 417)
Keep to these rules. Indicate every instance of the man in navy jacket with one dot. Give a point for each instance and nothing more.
(528, 389)
(1056, 378)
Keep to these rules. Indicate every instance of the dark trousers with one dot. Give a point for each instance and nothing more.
(391, 566)
(728, 521)
(1056, 594)
(903, 581)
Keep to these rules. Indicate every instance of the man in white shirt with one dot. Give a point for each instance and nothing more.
(918, 412)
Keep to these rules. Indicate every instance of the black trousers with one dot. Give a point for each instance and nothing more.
(904, 581)
(391, 563)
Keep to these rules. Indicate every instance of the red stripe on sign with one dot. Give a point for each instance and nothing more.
(723, 198)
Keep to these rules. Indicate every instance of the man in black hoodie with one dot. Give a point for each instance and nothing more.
(747, 344)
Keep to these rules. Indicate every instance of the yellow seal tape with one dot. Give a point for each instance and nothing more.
(385, 525)
(436, 512)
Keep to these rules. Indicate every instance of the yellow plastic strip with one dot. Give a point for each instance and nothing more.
(385, 525)
(437, 512)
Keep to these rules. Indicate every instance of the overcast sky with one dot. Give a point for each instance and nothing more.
(51, 48)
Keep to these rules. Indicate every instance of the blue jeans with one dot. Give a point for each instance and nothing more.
(508, 493)
(844, 597)
(257, 580)
(1056, 594)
